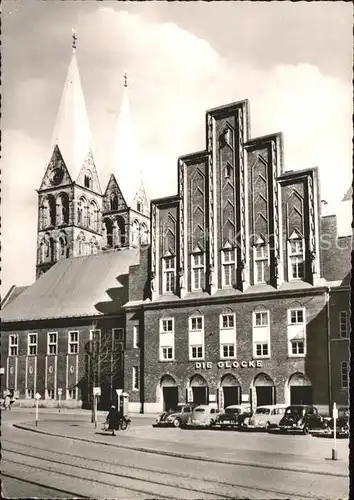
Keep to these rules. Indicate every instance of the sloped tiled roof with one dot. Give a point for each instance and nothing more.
(80, 286)
(12, 294)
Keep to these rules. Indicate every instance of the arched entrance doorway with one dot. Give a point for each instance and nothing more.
(263, 390)
(200, 390)
(231, 390)
(169, 392)
(299, 390)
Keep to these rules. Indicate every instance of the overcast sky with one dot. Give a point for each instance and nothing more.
(292, 60)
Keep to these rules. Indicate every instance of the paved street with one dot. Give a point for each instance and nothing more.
(139, 463)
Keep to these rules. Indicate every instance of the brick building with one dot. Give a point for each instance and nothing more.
(249, 284)
(242, 295)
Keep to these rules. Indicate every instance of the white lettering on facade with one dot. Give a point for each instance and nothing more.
(229, 364)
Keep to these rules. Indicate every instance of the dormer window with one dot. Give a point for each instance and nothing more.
(169, 273)
(88, 180)
(260, 255)
(296, 256)
(228, 266)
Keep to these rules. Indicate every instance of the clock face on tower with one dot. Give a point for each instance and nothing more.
(57, 176)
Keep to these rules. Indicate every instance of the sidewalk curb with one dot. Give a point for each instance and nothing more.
(183, 455)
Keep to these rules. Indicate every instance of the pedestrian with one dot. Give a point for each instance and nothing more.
(113, 420)
(7, 402)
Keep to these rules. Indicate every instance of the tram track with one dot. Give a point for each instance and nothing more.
(167, 480)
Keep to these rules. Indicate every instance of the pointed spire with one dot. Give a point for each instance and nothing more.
(126, 155)
(72, 132)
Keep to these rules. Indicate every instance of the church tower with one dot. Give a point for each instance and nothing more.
(70, 196)
(126, 207)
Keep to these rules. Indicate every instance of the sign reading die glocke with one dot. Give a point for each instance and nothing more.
(252, 363)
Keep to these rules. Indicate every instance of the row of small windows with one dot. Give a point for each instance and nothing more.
(72, 345)
(114, 233)
(296, 335)
(50, 393)
(228, 256)
(52, 250)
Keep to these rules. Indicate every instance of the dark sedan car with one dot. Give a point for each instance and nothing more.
(233, 416)
(342, 422)
(174, 418)
(301, 418)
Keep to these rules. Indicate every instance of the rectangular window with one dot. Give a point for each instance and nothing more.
(72, 393)
(167, 353)
(261, 349)
(296, 258)
(260, 263)
(135, 378)
(29, 393)
(73, 342)
(13, 345)
(228, 267)
(228, 350)
(32, 344)
(227, 335)
(135, 336)
(50, 394)
(196, 337)
(118, 339)
(344, 374)
(198, 271)
(169, 274)
(261, 334)
(261, 319)
(95, 337)
(197, 323)
(343, 324)
(52, 343)
(167, 339)
(296, 332)
(197, 352)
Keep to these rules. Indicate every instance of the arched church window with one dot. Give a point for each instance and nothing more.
(144, 234)
(114, 202)
(109, 232)
(83, 212)
(88, 179)
(62, 247)
(122, 233)
(92, 216)
(139, 205)
(135, 234)
(52, 210)
(81, 244)
(62, 209)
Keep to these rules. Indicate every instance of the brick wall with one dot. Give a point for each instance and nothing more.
(334, 252)
(279, 367)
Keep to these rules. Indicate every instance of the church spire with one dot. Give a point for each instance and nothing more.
(72, 132)
(126, 154)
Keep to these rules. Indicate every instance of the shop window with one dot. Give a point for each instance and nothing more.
(52, 343)
(196, 337)
(32, 344)
(296, 257)
(135, 378)
(261, 334)
(29, 393)
(344, 374)
(72, 393)
(227, 333)
(198, 271)
(50, 394)
(169, 270)
(343, 324)
(167, 339)
(13, 345)
(73, 339)
(296, 332)
(228, 267)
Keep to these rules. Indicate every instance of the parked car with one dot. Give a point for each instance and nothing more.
(342, 422)
(301, 418)
(203, 416)
(266, 417)
(174, 418)
(233, 416)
